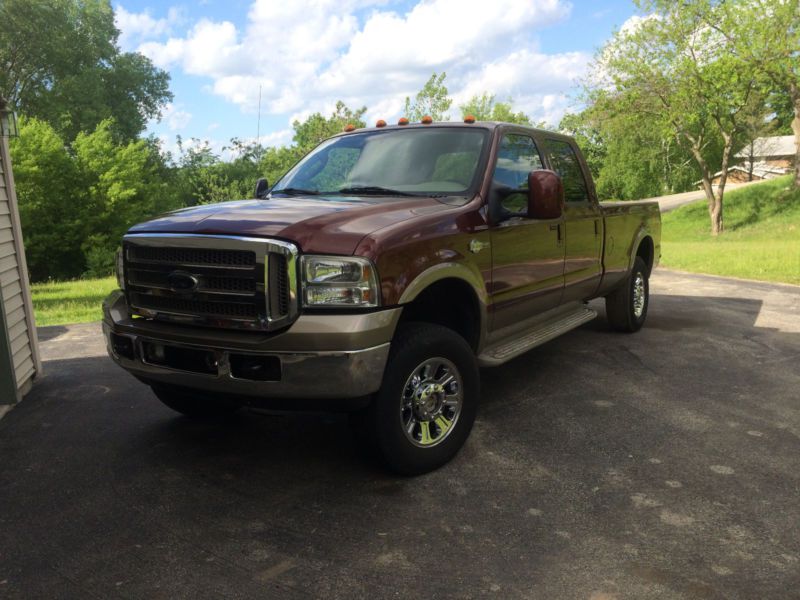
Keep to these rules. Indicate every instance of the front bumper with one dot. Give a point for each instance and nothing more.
(317, 357)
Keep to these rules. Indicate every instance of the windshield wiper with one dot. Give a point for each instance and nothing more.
(373, 190)
(291, 191)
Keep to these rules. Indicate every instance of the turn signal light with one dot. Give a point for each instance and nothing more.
(469, 119)
(402, 121)
(427, 120)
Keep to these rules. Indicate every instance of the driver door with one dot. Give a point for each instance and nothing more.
(527, 254)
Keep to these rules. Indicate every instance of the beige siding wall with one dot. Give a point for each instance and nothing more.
(13, 281)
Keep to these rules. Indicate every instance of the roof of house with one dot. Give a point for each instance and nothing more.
(778, 145)
(760, 170)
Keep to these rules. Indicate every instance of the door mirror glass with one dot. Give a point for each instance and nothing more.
(545, 195)
(262, 187)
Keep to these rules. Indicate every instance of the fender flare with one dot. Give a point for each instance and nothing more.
(452, 270)
(637, 241)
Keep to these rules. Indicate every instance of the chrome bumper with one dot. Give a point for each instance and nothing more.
(320, 356)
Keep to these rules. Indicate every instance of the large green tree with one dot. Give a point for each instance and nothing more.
(764, 35)
(486, 108)
(76, 204)
(680, 74)
(431, 101)
(59, 61)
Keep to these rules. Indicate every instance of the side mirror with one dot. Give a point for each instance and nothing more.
(262, 187)
(545, 195)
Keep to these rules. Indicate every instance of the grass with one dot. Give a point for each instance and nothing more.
(63, 302)
(761, 238)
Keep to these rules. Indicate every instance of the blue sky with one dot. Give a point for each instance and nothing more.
(306, 55)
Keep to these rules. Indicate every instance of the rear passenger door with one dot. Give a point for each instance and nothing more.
(583, 222)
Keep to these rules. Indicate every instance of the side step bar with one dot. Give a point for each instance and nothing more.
(505, 350)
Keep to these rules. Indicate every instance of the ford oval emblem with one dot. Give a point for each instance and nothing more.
(182, 282)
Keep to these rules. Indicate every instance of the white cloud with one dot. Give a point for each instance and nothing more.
(136, 27)
(175, 117)
(307, 55)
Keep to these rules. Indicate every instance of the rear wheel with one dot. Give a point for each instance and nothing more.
(426, 406)
(193, 403)
(626, 307)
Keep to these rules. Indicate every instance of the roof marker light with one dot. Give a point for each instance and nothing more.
(469, 119)
(380, 123)
(427, 120)
(349, 127)
(402, 121)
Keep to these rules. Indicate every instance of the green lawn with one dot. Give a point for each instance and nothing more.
(62, 302)
(761, 238)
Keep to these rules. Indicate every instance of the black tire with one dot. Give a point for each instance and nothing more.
(381, 425)
(621, 308)
(195, 404)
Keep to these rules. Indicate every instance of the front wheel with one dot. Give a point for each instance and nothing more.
(626, 307)
(426, 406)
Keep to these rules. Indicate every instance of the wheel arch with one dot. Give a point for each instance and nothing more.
(451, 295)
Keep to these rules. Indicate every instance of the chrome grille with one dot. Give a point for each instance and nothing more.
(218, 281)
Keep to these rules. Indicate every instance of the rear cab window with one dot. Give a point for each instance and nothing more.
(564, 161)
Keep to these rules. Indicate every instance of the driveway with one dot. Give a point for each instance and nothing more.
(673, 201)
(664, 464)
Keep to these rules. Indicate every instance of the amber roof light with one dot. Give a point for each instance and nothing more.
(469, 119)
(349, 127)
(402, 121)
(427, 120)
(380, 123)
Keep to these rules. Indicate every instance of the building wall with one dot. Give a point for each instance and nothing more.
(16, 300)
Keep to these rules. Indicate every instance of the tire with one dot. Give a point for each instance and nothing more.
(426, 406)
(626, 307)
(195, 404)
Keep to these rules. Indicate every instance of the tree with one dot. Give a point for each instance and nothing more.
(75, 206)
(431, 101)
(765, 35)
(316, 127)
(484, 108)
(59, 61)
(679, 73)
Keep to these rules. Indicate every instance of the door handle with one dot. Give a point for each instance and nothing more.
(557, 227)
(596, 228)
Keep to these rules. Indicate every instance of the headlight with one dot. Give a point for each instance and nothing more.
(336, 282)
(120, 269)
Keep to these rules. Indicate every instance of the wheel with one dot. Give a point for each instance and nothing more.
(626, 307)
(195, 404)
(426, 406)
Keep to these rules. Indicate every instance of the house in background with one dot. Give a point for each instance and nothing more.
(766, 158)
(19, 351)
(763, 158)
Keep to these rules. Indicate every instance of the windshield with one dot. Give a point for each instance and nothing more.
(439, 161)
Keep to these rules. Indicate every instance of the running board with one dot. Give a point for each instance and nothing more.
(544, 332)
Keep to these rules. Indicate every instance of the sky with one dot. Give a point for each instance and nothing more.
(305, 55)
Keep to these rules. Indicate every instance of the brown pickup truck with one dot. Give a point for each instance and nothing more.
(377, 276)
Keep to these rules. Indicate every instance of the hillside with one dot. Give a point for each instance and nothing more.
(761, 239)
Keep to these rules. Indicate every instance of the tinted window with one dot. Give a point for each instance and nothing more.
(566, 164)
(516, 157)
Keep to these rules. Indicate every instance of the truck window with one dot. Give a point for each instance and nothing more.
(565, 162)
(516, 157)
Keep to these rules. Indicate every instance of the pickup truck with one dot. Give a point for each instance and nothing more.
(378, 276)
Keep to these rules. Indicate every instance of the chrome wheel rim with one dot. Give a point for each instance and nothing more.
(431, 402)
(639, 296)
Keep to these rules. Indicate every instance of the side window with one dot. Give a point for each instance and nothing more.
(516, 157)
(566, 164)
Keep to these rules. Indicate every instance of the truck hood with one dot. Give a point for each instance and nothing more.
(317, 224)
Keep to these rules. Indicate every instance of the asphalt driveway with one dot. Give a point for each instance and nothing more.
(664, 464)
